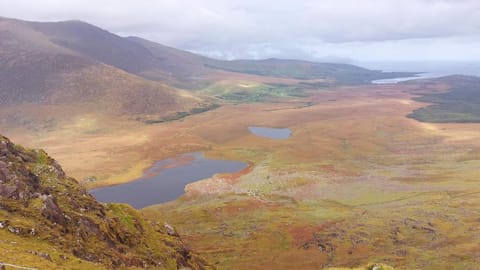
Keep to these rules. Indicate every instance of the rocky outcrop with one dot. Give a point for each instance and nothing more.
(35, 190)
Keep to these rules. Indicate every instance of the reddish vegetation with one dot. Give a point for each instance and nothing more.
(247, 205)
(302, 234)
(177, 161)
(329, 168)
(42, 71)
(231, 178)
(218, 183)
(357, 180)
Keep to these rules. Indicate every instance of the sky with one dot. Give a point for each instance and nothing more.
(328, 30)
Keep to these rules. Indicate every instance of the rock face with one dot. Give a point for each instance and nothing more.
(35, 190)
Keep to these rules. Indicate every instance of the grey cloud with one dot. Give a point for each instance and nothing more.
(268, 28)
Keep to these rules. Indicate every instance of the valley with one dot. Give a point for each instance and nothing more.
(358, 182)
(166, 180)
(310, 165)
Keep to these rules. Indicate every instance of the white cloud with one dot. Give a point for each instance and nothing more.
(361, 29)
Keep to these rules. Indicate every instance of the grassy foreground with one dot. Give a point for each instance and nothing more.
(358, 183)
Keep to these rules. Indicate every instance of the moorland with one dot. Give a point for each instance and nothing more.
(370, 174)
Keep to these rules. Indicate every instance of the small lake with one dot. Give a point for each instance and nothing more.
(425, 75)
(271, 133)
(166, 180)
(428, 69)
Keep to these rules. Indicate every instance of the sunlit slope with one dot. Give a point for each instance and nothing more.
(36, 70)
(357, 183)
(49, 221)
(158, 62)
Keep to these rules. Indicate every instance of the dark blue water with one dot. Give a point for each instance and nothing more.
(271, 133)
(166, 183)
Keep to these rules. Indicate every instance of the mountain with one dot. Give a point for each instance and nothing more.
(53, 72)
(57, 224)
(85, 43)
(180, 67)
(188, 66)
(36, 67)
(304, 70)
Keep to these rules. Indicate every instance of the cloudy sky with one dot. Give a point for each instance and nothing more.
(364, 30)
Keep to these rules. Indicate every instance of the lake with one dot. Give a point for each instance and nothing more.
(271, 133)
(425, 69)
(166, 180)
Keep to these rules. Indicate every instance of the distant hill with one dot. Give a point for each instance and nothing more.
(179, 67)
(188, 66)
(38, 65)
(158, 62)
(77, 64)
(460, 104)
(305, 70)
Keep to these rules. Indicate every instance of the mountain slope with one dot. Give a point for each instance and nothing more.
(63, 70)
(158, 62)
(176, 65)
(97, 44)
(34, 69)
(188, 66)
(304, 70)
(40, 205)
(459, 104)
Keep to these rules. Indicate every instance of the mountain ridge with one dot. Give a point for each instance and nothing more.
(155, 61)
(39, 203)
(35, 70)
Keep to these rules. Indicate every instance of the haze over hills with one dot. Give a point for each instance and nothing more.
(73, 68)
(33, 69)
(159, 62)
(77, 44)
(191, 67)
(363, 175)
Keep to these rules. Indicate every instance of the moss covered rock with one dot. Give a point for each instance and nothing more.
(38, 201)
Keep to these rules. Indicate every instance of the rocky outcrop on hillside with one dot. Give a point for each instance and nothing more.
(38, 201)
